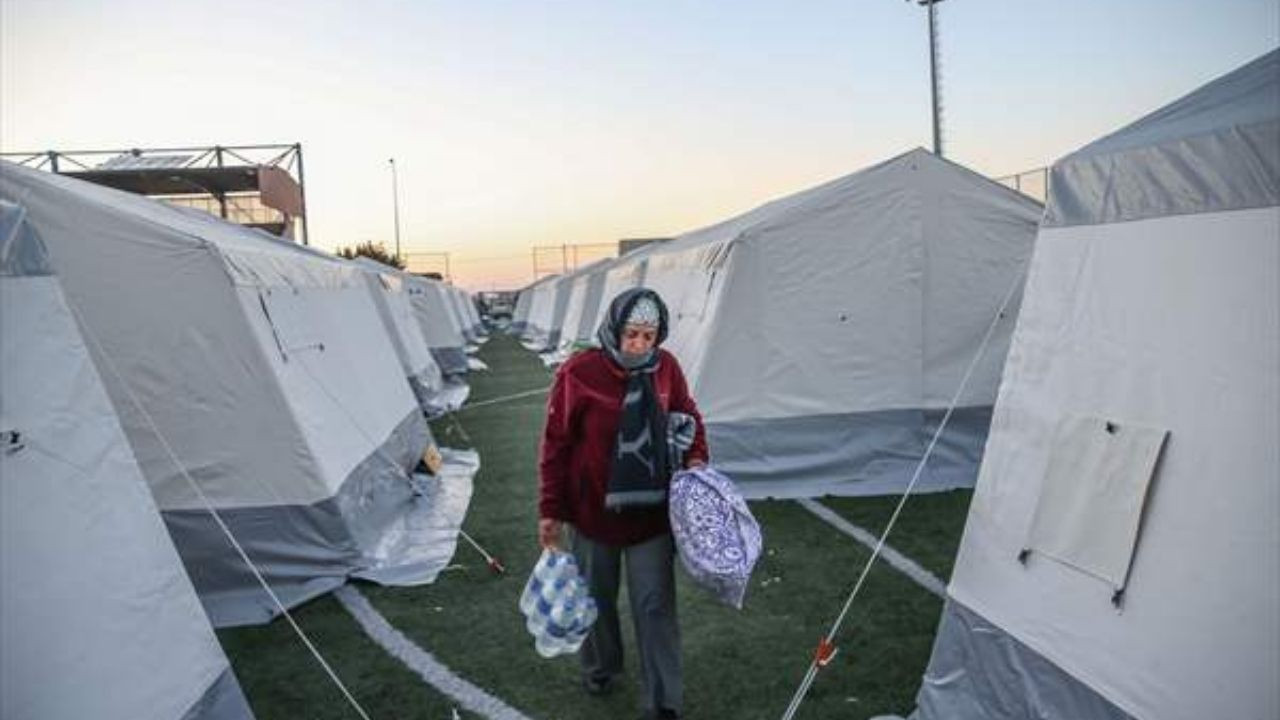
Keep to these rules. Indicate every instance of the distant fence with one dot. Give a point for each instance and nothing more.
(1033, 183)
(423, 263)
(560, 259)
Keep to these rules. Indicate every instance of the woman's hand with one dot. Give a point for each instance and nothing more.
(549, 531)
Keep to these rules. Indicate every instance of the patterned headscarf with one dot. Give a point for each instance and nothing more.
(640, 302)
(641, 467)
(644, 311)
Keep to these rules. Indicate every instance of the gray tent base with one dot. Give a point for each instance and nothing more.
(303, 551)
(854, 454)
(980, 672)
(222, 701)
(452, 360)
(307, 550)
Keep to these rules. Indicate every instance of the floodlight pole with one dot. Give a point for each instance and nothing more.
(933, 72)
(395, 204)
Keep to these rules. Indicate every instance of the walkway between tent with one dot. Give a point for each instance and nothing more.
(738, 664)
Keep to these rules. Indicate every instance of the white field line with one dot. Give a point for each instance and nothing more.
(422, 662)
(900, 562)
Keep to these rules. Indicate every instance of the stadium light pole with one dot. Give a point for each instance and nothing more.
(933, 72)
(395, 203)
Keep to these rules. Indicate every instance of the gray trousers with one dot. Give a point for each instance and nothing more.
(652, 589)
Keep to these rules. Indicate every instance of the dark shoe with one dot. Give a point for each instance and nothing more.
(663, 714)
(598, 686)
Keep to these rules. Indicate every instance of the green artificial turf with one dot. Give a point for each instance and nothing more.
(738, 664)
(928, 530)
(283, 681)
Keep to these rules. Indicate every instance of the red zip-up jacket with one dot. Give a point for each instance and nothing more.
(583, 412)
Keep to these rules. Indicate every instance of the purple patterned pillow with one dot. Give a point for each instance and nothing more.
(718, 539)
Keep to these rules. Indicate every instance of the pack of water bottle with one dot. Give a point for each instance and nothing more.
(558, 609)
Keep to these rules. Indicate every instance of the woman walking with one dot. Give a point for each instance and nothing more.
(605, 466)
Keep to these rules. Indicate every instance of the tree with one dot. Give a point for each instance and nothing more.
(373, 251)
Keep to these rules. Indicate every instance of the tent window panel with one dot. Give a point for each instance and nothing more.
(1094, 489)
(288, 313)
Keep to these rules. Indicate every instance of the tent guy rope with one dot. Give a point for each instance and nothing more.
(827, 650)
(503, 399)
(217, 518)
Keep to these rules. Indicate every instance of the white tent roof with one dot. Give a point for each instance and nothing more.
(557, 306)
(524, 303)
(585, 293)
(542, 300)
(387, 288)
(626, 272)
(438, 323)
(823, 332)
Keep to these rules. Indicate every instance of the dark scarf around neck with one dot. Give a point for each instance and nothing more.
(641, 469)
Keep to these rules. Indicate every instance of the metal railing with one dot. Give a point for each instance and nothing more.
(1032, 183)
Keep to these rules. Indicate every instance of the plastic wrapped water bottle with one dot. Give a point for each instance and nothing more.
(558, 610)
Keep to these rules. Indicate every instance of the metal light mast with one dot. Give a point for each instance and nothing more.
(933, 73)
(395, 204)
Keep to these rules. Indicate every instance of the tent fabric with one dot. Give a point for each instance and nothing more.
(584, 304)
(470, 317)
(98, 618)
(265, 364)
(525, 303)
(1214, 150)
(391, 298)
(1095, 488)
(520, 313)
(542, 306)
(21, 252)
(457, 313)
(223, 699)
(437, 322)
(822, 331)
(1168, 322)
(627, 272)
(309, 548)
(571, 291)
(975, 671)
(807, 456)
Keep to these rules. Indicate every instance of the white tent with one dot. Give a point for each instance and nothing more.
(476, 332)
(97, 616)
(520, 311)
(824, 334)
(584, 304)
(571, 296)
(387, 288)
(457, 313)
(1133, 463)
(271, 377)
(542, 308)
(626, 272)
(449, 301)
(524, 306)
(438, 322)
(559, 307)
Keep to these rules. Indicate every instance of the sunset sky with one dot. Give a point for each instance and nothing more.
(515, 124)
